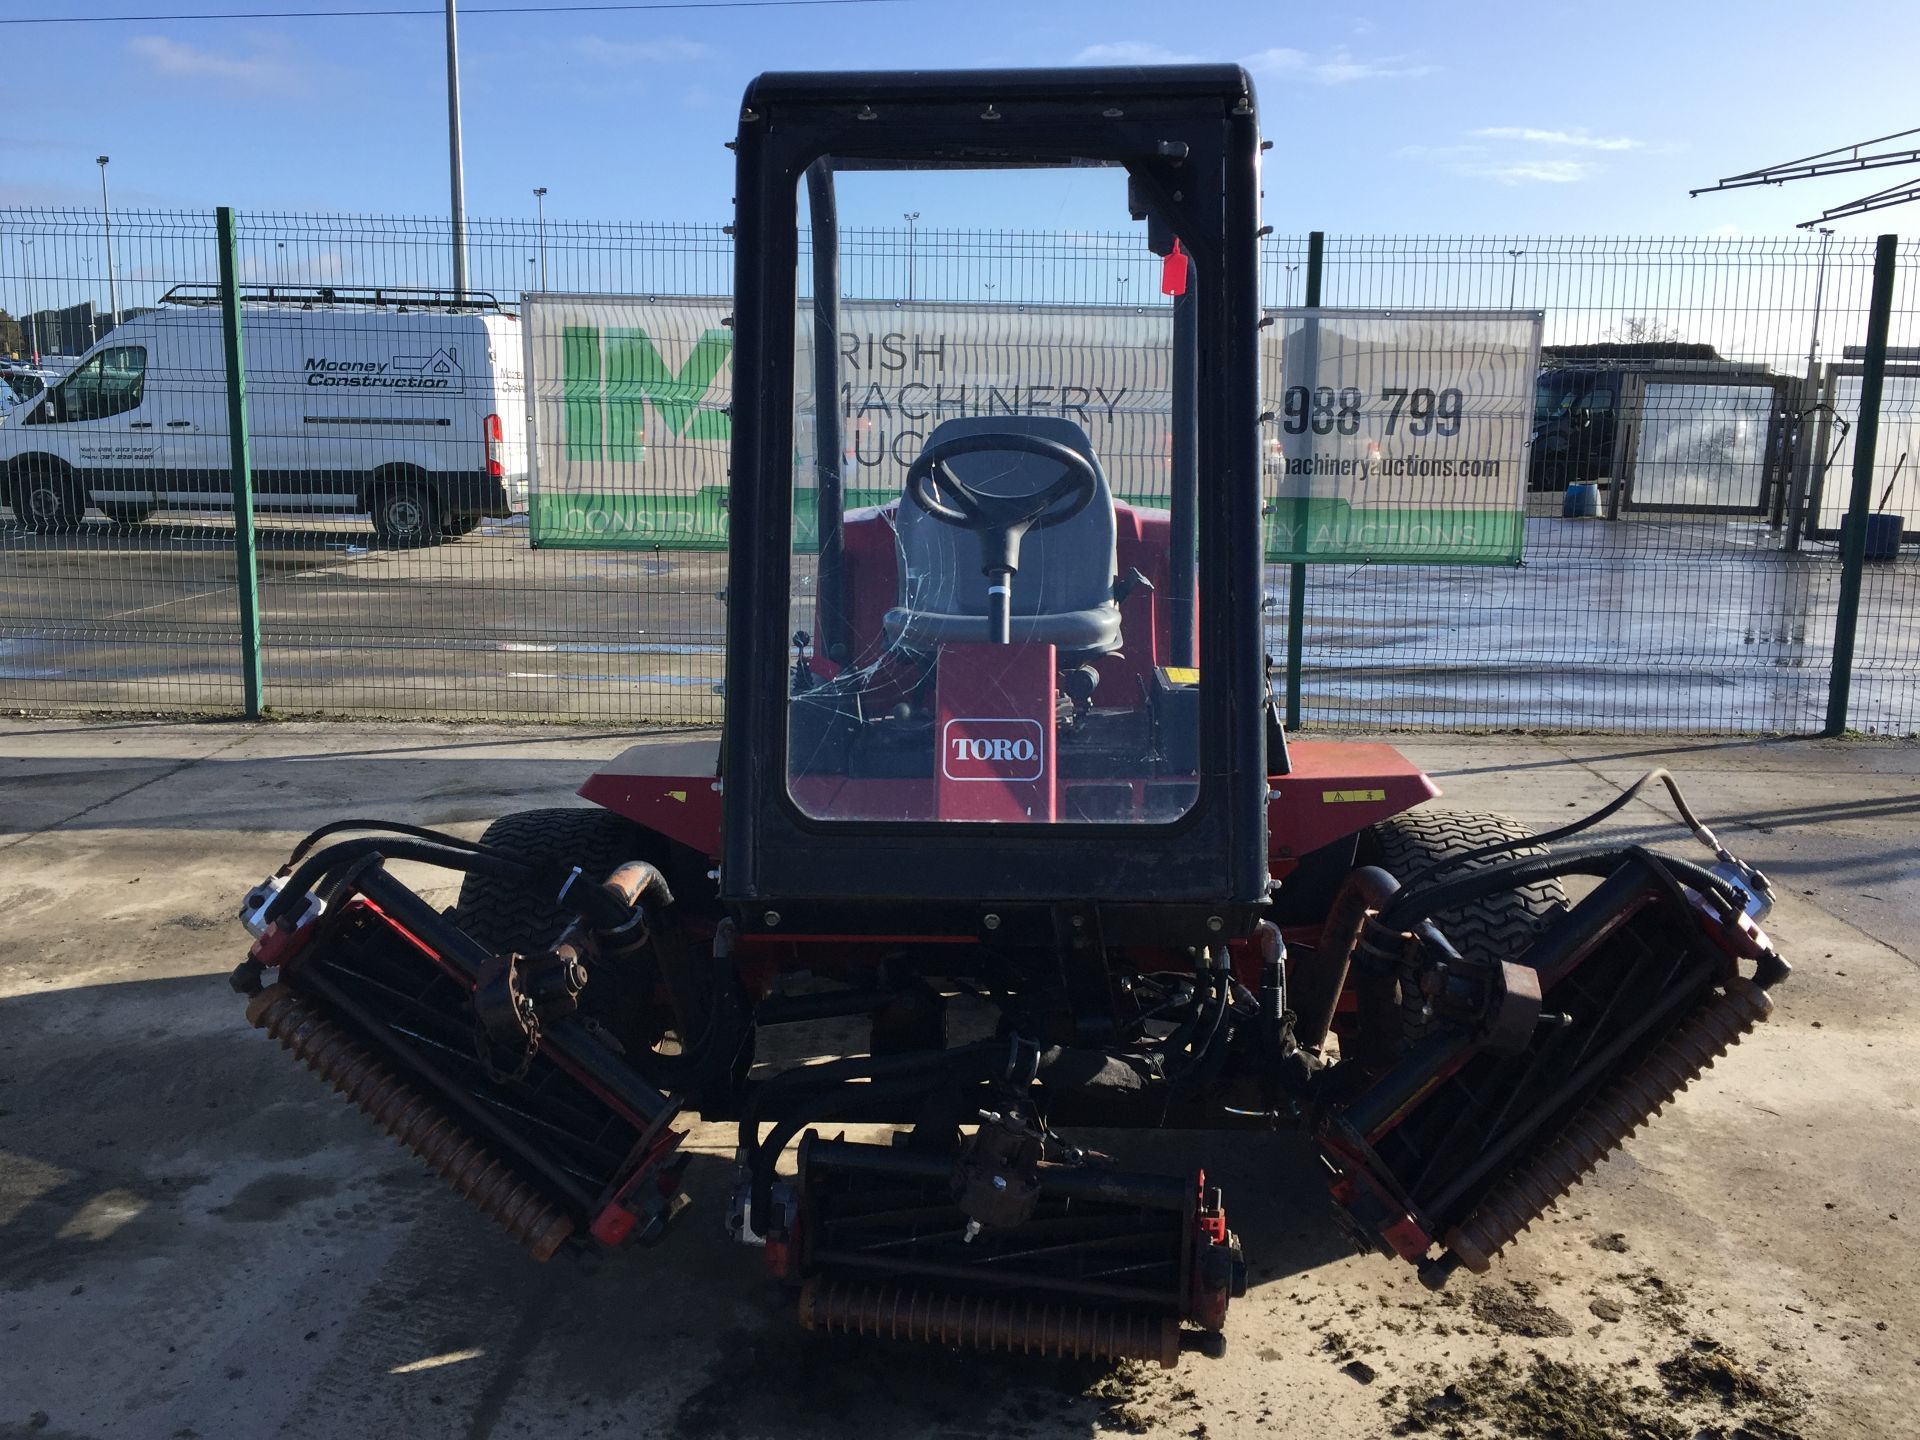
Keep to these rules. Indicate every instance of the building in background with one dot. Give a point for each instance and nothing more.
(71, 330)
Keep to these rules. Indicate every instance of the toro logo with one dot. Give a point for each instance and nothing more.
(993, 749)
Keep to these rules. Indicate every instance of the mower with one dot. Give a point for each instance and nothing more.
(1003, 844)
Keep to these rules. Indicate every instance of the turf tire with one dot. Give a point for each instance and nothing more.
(626, 1004)
(507, 918)
(1500, 926)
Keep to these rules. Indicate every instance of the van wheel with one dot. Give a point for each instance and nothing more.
(123, 514)
(48, 500)
(405, 514)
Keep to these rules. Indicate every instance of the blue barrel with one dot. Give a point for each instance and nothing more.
(1883, 536)
(1583, 500)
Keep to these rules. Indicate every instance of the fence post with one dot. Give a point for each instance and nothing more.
(246, 565)
(1297, 573)
(1866, 435)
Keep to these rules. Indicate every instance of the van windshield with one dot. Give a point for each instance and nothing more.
(111, 383)
(20, 385)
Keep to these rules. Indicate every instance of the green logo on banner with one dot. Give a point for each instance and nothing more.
(1329, 530)
(608, 379)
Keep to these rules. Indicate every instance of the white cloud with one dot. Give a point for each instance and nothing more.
(265, 70)
(1132, 52)
(294, 266)
(1339, 68)
(1277, 60)
(1528, 172)
(1525, 154)
(641, 52)
(1342, 68)
(1441, 152)
(1578, 139)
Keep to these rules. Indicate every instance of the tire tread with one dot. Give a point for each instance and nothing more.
(506, 918)
(1499, 926)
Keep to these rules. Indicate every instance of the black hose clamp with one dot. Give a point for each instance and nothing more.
(1023, 1060)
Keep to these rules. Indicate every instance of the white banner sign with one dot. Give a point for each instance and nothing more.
(1398, 435)
(632, 423)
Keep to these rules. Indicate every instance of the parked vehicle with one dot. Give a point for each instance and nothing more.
(1576, 404)
(407, 406)
(1574, 422)
(19, 382)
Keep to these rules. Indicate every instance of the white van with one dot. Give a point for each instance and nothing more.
(403, 405)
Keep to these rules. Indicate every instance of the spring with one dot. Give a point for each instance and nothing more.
(897, 1312)
(415, 1121)
(1604, 1122)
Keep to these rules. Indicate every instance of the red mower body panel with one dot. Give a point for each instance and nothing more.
(1335, 788)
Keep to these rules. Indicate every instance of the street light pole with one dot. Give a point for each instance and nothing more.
(106, 230)
(453, 159)
(911, 217)
(1819, 293)
(1513, 278)
(540, 200)
(33, 315)
(1812, 397)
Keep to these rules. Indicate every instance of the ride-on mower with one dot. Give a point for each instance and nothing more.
(1001, 793)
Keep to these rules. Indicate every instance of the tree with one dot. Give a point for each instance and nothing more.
(1644, 330)
(13, 339)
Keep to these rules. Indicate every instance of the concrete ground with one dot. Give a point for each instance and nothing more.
(196, 1239)
(1696, 625)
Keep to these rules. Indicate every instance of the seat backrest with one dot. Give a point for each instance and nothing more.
(1066, 567)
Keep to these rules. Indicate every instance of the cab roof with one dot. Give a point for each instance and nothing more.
(1229, 83)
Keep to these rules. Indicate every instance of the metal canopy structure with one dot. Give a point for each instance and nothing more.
(1843, 160)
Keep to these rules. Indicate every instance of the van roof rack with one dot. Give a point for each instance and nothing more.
(399, 297)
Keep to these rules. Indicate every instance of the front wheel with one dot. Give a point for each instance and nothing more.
(405, 514)
(628, 1003)
(1497, 927)
(49, 501)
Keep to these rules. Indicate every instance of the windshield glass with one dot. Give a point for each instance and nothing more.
(111, 383)
(19, 385)
(980, 537)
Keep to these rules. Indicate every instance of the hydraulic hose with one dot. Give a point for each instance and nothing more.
(390, 827)
(807, 1079)
(820, 1105)
(1203, 1062)
(1409, 905)
(1316, 989)
(601, 908)
(1619, 802)
(314, 870)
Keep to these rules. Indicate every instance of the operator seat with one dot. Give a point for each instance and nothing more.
(1063, 592)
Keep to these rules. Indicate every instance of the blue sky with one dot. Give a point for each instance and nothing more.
(1465, 118)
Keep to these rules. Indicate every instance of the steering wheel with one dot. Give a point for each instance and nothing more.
(1001, 521)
